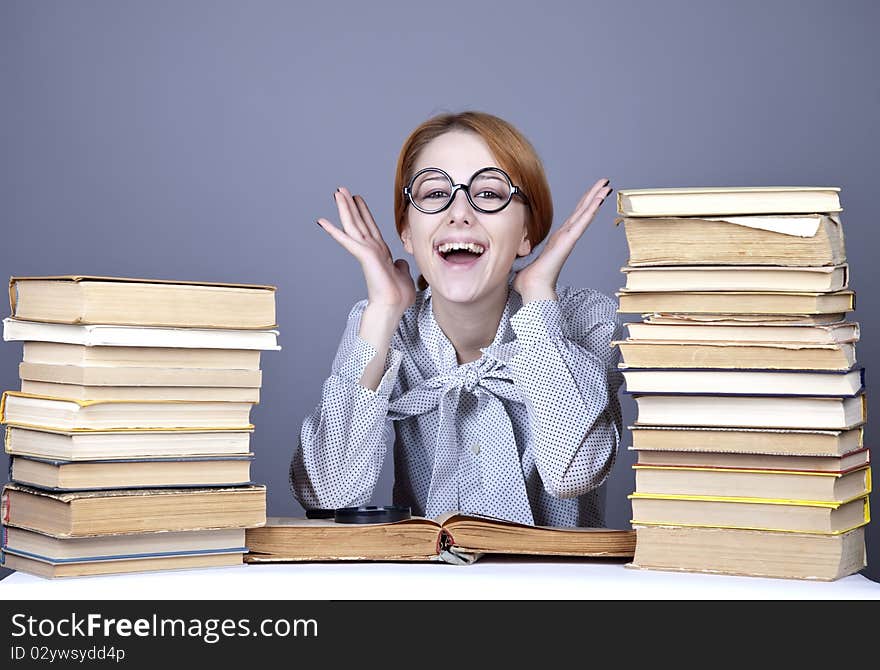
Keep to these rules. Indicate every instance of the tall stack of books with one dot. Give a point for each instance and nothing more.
(129, 438)
(750, 402)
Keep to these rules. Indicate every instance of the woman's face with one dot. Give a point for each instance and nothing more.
(496, 239)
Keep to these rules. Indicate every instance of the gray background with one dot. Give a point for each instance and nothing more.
(199, 140)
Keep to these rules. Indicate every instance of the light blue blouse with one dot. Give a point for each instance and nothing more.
(528, 432)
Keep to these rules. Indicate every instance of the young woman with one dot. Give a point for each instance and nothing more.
(497, 389)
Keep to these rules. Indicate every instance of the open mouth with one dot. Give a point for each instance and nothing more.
(460, 253)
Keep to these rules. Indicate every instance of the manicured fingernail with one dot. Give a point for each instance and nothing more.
(607, 181)
(318, 222)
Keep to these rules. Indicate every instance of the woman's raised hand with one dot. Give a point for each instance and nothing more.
(537, 281)
(389, 283)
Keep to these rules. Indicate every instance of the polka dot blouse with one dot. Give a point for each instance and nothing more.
(528, 432)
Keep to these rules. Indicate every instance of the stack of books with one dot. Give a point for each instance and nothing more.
(129, 438)
(750, 402)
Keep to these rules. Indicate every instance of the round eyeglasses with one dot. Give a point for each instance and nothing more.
(489, 190)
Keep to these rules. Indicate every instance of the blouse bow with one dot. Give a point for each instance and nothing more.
(489, 379)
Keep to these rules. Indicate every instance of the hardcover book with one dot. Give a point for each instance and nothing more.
(752, 553)
(193, 471)
(822, 279)
(670, 329)
(106, 375)
(796, 516)
(66, 414)
(748, 411)
(722, 200)
(104, 335)
(725, 381)
(87, 513)
(784, 441)
(142, 393)
(737, 302)
(50, 557)
(56, 353)
(130, 545)
(797, 241)
(753, 483)
(840, 356)
(98, 445)
(77, 299)
(50, 570)
(838, 464)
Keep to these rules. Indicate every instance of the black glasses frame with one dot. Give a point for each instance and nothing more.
(514, 190)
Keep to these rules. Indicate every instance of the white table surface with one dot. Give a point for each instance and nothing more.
(500, 578)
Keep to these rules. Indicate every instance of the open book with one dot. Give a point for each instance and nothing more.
(453, 538)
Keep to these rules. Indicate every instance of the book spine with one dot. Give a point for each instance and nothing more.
(12, 296)
(761, 471)
(5, 506)
(140, 487)
(834, 504)
(118, 557)
(637, 522)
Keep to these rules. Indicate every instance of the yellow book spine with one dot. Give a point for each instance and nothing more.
(635, 522)
(759, 471)
(832, 504)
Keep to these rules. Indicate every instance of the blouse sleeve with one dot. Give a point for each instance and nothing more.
(566, 369)
(343, 441)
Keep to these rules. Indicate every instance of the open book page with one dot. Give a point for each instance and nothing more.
(300, 539)
(482, 534)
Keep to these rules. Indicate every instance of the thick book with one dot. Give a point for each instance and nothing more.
(792, 441)
(728, 330)
(77, 299)
(125, 546)
(751, 553)
(194, 471)
(50, 570)
(806, 240)
(46, 556)
(66, 414)
(721, 200)
(822, 279)
(746, 319)
(737, 302)
(839, 356)
(89, 513)
(54, 353)
(838, 464)
(454, 538)
(109, 445)
(746, 411)
(753, 483)
(148, 393)
(798, 516)
(104, 375)
(760, 381)
(104, 335)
